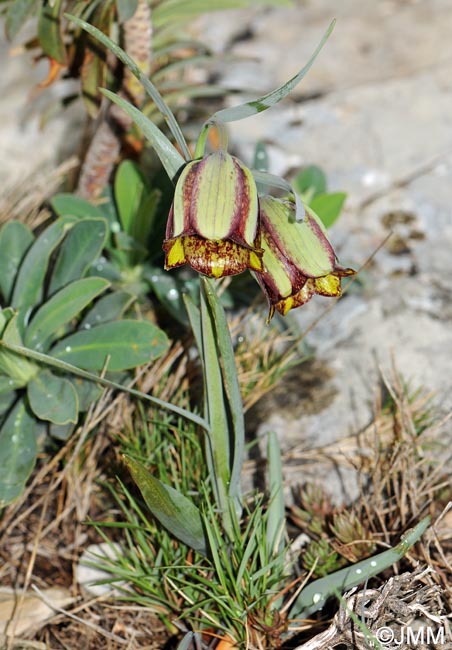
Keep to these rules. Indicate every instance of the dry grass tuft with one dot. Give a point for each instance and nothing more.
(403, 468)
(43, 534)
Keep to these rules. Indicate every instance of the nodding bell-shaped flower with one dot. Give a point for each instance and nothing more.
(213, 222)
(298, 258)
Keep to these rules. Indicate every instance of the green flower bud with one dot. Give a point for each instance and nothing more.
(299, 260)
(213, 222)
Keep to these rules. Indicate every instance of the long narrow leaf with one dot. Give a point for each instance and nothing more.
(147, 84)
(194, 316)
(67, 367)
(270, 180)
(28, 288)
(218, 451)
(266, 101)
(15, 239)
(276, 513)
(174, 10)
(314, 596)
(78, 251)
(16, 16)
(190, 640)
(170, 157)
(231, 386)
(174, 511)
(49, 31)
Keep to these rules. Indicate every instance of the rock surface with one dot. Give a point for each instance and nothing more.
(374, 112)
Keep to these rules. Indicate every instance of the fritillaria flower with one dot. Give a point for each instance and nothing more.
(213, 222)
(299, 260)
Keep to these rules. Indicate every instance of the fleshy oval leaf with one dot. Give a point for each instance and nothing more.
(53, 398)
(18, 451)
(61, 308)
(15, 239)
(120, 345)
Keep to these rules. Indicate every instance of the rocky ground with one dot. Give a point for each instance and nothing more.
(375, 113)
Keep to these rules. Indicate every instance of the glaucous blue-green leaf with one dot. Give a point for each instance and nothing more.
(61, 308)
(260, 158)
(107, 308)
(314, 596)
(103, 268)
(7, 393)
(147, 84)
(17, 367)
(219, 449)
(174, 511)
(50, 32)
(17, 452)
(265, 180)
(70, 205)
(276, 508)
(120, 344)
(170, 158)
(102, 381)
(310, 180)
(61, 431)
(6, 401)
(16, 16)
(80, 249)
(7, 384)
(15, 239)
(170, 290)
(137, 205)
(266, 101)
(126, 9)
(328, 207)
(87, 392)
(29, 287)
(194, 316)
(174, 10)
(53, 398)
(129, 188)
(190, 641)
(231, 387)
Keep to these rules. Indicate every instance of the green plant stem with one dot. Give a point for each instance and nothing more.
(67, 367)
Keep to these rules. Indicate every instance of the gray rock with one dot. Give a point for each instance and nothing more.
(374, 112)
